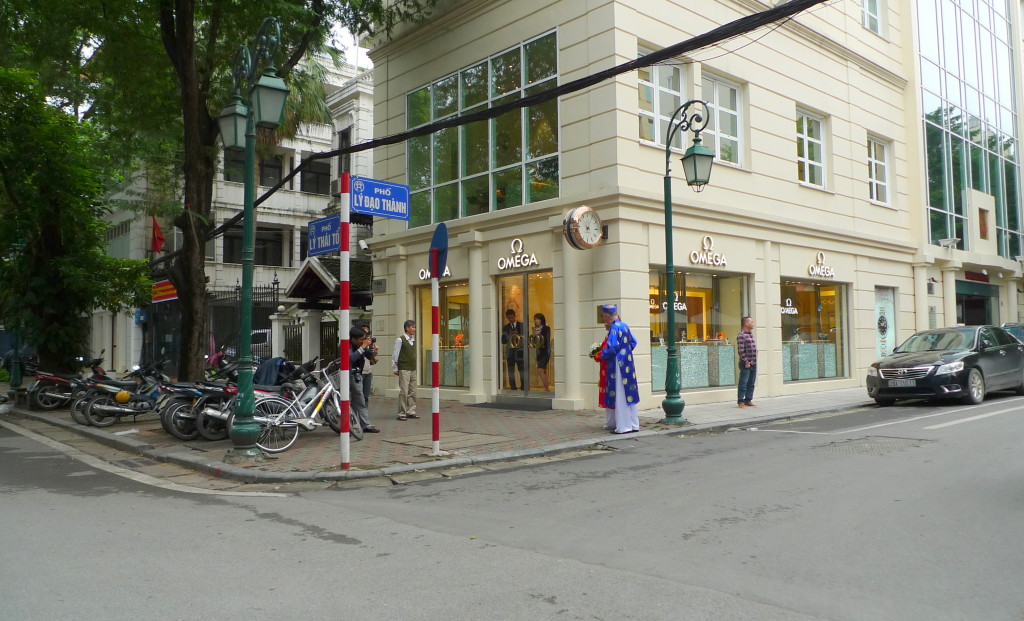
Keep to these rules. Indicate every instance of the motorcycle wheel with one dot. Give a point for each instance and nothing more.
(98, 418)
(48, 397)
(177, 424)
(210, 428)
(77, 408)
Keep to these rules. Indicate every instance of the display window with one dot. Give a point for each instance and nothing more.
(814, 339)
(708, 308)
(453, 334)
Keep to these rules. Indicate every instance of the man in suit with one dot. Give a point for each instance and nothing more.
(515, 348)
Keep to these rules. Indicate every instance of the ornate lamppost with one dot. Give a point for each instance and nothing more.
(263, 106)
(697, 163)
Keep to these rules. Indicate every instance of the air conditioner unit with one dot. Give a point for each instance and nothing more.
(335, 188)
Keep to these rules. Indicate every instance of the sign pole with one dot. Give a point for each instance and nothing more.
(435, 349)
(343, 322)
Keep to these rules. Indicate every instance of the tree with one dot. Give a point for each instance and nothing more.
(155, 74)
(54, 178)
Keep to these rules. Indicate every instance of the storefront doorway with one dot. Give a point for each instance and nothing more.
(526, 311)
(976, 303)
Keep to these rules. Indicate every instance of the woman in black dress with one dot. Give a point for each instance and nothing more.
(541, 341)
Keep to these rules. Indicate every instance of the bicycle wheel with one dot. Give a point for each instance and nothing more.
(355, 429)
(96, 410)
(278, 431)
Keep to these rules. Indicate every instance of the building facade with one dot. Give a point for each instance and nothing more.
(865, 187)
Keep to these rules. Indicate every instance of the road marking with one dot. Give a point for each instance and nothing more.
(138, 477)
(972, 418)
(811, 433)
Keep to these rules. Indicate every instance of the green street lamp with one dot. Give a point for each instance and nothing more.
(17, 250)
(238, 122)
(697, 163)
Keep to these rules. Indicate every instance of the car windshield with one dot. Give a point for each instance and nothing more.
(946, 340)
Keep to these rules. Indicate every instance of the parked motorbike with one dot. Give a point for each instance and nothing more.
(114, 400)
(50, 391)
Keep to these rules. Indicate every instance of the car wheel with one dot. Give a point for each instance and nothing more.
(975, 388)
(884, 403)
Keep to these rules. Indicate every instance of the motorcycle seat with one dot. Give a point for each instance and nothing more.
(267, 388)
(127, 385)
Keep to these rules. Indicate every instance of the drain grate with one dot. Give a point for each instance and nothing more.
(872, 445)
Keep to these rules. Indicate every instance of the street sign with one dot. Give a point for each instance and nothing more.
(380, 198)
(324, 236)
(439, 242)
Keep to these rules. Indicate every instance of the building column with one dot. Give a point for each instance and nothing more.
(277, 323)
(569, 379)
(764, 308)
(920, 298)
(949, 296)
(296, 246)
(311, 320)
(1008, 312)
(477, 288)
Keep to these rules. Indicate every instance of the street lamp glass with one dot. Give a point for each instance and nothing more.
(232, 125)
(697, 163)
(268, 100)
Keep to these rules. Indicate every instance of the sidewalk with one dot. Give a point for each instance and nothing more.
(470, 435)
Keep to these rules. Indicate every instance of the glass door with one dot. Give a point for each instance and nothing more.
(526, 304)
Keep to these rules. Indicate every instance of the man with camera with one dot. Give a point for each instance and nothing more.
(369, 361)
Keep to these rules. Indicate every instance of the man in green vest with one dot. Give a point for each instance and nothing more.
(403, 364)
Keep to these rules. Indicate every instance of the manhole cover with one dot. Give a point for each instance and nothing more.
(872, 445)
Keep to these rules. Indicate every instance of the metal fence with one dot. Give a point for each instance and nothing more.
(293, 343)
(329, 340)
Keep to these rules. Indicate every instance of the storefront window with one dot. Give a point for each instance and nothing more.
(813, 334)
(708, 308)
(453, 334)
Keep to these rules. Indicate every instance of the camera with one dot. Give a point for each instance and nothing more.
(373, 339)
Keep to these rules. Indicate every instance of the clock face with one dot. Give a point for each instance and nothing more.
(590, 228)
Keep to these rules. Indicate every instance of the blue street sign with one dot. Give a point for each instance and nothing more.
(324, 236)
(380, 198)
(440, 242)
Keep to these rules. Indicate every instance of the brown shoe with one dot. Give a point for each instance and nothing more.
(401, 417)
(740, 405)
(750, 405)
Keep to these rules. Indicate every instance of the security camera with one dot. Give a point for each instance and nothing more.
(365, 246)
(949, 242)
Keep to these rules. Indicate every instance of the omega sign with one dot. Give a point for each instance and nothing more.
(518, 258)
(706, 255)
(819, 268)
(789, 309)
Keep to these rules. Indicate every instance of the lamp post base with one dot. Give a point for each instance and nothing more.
(241, 455)
(673, 407)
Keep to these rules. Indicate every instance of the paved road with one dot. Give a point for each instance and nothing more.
(901, 513)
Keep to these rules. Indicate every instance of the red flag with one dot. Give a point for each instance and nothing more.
(158, 236)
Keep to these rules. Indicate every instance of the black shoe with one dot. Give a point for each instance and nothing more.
(371, 429)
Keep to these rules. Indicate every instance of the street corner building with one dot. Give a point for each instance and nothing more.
(865, 186)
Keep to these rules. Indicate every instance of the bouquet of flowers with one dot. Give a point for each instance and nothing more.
(596, 347)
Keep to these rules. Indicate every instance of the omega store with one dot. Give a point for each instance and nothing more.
(523, 318)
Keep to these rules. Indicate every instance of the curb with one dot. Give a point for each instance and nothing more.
(184, 457)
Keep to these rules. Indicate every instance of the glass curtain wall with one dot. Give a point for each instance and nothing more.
(453, 334)
(493, 164)
(813, 331)
(708, 309)
(970, 117)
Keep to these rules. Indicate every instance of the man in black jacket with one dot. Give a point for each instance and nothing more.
(514, 342)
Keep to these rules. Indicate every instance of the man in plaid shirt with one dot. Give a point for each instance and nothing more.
(748, 364)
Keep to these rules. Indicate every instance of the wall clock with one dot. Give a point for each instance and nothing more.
(582, 227)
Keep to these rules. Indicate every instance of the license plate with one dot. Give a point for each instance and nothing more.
(902, 383)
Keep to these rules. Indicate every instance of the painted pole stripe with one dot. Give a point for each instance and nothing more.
(343, 322)
(435, 348)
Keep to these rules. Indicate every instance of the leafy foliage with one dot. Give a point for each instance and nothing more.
(54, 175)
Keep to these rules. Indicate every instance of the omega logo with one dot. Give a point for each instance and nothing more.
(820, 269)
(518, 258)
(789, 309)
(425, 274)
(706, 255)
(677, 305)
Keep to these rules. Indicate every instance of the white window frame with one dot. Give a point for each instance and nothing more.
(871, 16)
(806, 164)
(718, 112)
(661, 118)
(879, 185)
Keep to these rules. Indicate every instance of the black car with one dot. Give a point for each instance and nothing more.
(1016, 329)
(963, 362)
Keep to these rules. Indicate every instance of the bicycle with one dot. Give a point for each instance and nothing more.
(319, 402)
